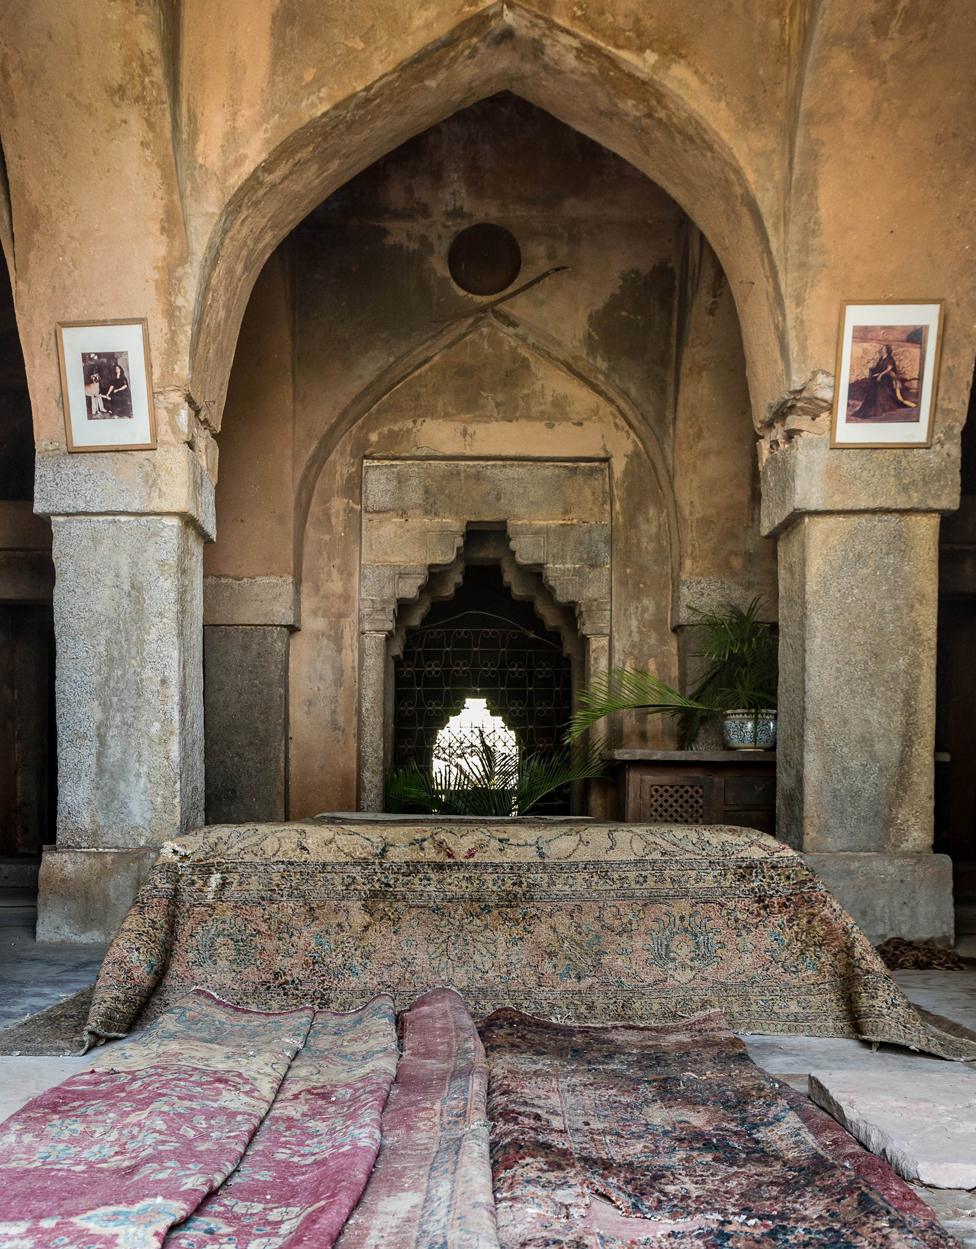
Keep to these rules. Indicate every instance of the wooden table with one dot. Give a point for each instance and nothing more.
(697, 787)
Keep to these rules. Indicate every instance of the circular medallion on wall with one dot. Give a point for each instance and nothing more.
(484, 259)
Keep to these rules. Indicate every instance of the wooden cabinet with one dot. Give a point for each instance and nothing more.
(697, 787)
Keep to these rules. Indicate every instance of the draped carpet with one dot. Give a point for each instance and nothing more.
(573, 921)
(222, 1127)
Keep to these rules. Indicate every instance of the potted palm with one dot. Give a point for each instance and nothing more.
(480, 779)
(738, 684)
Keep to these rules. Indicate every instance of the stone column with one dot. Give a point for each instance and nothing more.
(858, 582)
(372, 708)
(128, 613)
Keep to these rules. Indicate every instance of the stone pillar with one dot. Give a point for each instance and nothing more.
(372, 708)
(858, 582)
(128, 534)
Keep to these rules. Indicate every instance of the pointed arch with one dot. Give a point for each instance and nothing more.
(633, 112)
(551, 351)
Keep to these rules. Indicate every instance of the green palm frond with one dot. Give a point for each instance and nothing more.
(482, 780)
(742, 654)
(544, 774)
(623, 689)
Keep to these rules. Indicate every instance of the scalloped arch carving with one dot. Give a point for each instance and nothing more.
(557, 521)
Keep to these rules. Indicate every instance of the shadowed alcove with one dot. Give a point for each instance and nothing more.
(501, 327)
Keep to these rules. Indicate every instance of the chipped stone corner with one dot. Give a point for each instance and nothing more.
(801, 412)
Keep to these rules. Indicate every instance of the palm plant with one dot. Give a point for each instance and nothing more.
(741, 673)
(482, 779)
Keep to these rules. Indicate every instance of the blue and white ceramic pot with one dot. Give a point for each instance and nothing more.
(749, 730)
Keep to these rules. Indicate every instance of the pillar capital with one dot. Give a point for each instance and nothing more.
(170, 481)
(808, 476)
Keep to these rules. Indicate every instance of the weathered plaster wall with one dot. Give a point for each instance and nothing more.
(256, 444)
(98, 225)
(455, 401)
(390, 358)
(884, 178)
(657, 115)
(379, 250)
(717, 488)
(217, 146)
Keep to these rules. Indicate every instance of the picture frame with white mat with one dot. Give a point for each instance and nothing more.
(106, 385)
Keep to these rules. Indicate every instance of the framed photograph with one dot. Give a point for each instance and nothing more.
(106, 385)
(887, 371)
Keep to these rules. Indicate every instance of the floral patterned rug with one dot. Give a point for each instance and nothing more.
(614, 1137)
(580, 922)
(309, 1161)
(220, 1127)
(115, 1156)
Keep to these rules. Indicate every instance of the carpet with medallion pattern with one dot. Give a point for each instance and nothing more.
(574, 921)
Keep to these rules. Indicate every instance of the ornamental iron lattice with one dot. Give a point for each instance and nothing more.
(482, 644)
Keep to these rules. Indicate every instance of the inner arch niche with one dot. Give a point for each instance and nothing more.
(379, 415)
(485, 656)
(545, 571)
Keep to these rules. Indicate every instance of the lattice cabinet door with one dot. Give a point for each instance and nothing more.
(681, 798)
(719, 787)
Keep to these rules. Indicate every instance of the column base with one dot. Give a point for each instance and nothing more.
(892, 895)
(83, 894)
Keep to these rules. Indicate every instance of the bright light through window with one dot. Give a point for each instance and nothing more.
(461, 738)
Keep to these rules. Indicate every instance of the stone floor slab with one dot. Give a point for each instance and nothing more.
(924, 1124)
(23, 1078)
(955, 1210)
(35, 974)
(791, 1057)
(949, 993)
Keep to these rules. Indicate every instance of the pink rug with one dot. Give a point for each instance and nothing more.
(113, 1157)
(310, 1159)
(432, 1183)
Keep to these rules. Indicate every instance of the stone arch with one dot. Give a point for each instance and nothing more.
(663, 131)
(386, 427)
(444, 340)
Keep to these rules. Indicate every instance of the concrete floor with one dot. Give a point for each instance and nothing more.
(33, 976)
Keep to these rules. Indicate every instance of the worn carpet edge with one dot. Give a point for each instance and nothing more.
(946, 1039)
(56, 1031)
(944, 1024)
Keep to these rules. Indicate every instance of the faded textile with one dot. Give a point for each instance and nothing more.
(839, 1145)
(432, 1183)
(583, 922)
(604, 1138)
(311, 1157)
(113, 1157)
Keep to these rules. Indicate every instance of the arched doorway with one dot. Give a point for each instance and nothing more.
(481, 664)
(28, 773)
(595, 408)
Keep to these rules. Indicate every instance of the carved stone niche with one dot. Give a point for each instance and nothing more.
(547, 524)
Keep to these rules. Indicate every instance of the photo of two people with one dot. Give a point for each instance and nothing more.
(107, 392)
